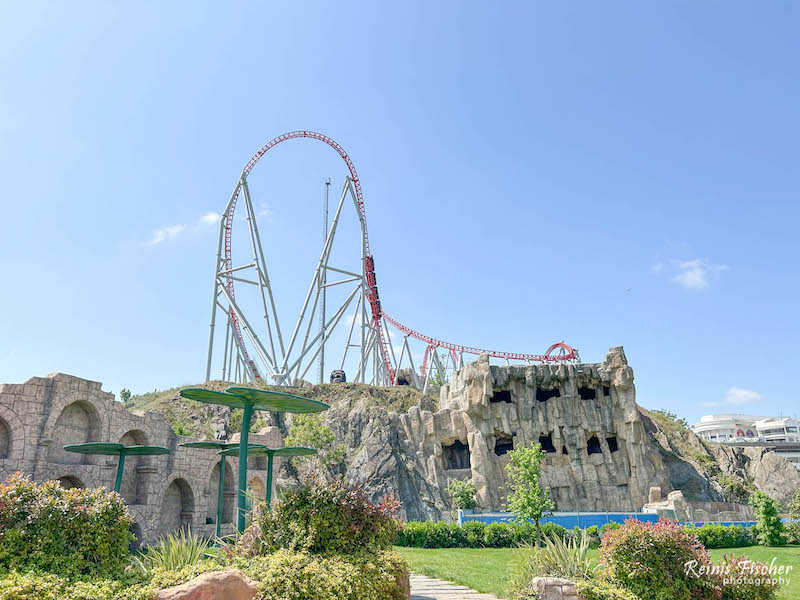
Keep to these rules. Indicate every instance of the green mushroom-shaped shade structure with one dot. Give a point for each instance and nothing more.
(217, 445)
(111, 449)
(270, 453)
(249, 399)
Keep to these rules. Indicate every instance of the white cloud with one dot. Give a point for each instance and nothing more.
(172, 232)
(165, 234)
(736, 396)
(694, 274)
(264, 211)
(211, 218)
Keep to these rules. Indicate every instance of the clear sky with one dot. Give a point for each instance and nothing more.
(600, 172)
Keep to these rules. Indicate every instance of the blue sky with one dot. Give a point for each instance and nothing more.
(604, 173)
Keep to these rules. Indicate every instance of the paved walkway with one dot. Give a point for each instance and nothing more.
(428, 588)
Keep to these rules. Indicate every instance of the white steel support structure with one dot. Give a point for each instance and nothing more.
(262, 356)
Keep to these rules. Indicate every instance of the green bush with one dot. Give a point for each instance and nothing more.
(433, 534)
(499, 535)
(745, 579)
(721, 536)
(301, 576)
(325, 518)
(606, 527)
(553, 529)
(555, 558)
(72, 532)
(793, 526)
(462, 493)
(769, 529)
(475, 532)
(650, 560)
(598, 589)
(48, 586)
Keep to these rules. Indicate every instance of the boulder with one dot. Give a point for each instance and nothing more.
(230, 584)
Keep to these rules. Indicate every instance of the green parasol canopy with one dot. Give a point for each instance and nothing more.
(278, 401)
(259, 450)
(250, 399)
(112, 449)
(209, 445)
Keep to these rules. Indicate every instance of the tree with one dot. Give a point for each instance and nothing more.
(125, 396)
(310, 431)
(527, 499)
(462, 493)
(769, 524)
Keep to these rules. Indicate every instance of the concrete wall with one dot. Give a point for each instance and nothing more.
(40, 416)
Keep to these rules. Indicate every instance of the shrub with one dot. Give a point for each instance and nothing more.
(68, 532)
(793, 526)
(552, 529)
(746, 580)
(720, 536)
(475, 532)
(462, 493)
(610, 526)
(48, 586)
(302, 576)
(650, 561)
(598, 589)
(326, 518)
(174, 552)
(499, 535)
(769, 527)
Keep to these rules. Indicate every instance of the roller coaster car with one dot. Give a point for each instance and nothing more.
(401, 380)
(338, 376)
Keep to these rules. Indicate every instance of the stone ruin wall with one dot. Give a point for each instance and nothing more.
(164, 493)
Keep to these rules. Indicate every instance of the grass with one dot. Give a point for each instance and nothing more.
(486, 569)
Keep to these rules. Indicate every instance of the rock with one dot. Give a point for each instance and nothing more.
(553, 588)
(230, 584)
(404, 583)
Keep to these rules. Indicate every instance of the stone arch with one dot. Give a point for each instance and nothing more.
(228, 497)
(15, 434)
(5, 439)
(257, 489)
(136, 543)
(71, 481)
(177, 505)
(78, 423)
(133, 488)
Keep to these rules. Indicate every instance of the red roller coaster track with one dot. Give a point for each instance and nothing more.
(568, 353)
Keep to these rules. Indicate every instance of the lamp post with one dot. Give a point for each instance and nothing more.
(120, 450)
(250, 399)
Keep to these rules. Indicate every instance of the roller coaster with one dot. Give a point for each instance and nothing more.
(265, 355)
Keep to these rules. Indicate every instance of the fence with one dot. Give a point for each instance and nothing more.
(582, 520)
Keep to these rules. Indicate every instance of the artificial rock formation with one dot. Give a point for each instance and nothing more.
(163, 493)
(586, 417)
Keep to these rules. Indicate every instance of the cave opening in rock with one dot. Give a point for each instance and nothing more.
(501, 396)
(456, 456)
(587, 393)
(546, 441)
(593, 446)
(545, 395)
(564, 450)
(503, 446)
(612, 444)
(606, 391)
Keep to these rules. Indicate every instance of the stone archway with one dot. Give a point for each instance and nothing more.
(177, 506)
(70, 481)
(133, 488)
(78, 423)
(5, 439)
(257, 489)
(228, 498)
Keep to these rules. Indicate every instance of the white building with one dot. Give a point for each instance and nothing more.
(781, 434)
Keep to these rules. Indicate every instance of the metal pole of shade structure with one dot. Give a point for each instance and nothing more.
(220, 495)
(241, 501)
(120, 469)
(323, 281)
(269, 479)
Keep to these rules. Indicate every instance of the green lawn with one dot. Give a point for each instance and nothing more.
(485, 569)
